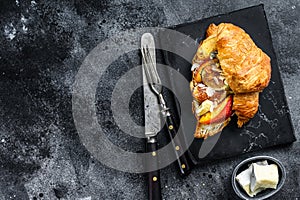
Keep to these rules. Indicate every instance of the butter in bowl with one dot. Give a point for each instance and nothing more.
(258, 177)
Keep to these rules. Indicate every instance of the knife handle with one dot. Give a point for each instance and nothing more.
(154, 187)
(184, 161)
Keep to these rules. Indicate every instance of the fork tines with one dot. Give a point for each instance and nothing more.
(150, 68)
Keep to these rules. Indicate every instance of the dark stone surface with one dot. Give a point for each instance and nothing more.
(42, 47)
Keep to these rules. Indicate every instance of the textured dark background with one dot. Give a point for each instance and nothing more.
(42, 47)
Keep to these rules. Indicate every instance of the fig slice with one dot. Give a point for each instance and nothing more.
(211, 76)
(197, 71)
(218, 96)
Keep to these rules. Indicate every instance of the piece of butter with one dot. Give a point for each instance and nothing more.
(244, 180)
(264, 176)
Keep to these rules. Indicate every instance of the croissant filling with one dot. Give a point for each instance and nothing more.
(212, 100)
(229, 71)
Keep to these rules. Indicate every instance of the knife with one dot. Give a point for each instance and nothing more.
(152, 127)
(148, 52)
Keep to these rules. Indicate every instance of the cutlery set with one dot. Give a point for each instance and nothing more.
(156, 110)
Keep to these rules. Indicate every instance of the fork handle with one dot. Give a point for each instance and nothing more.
(154, 186)
(184, 161)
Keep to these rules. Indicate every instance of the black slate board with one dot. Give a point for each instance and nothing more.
(271, 125)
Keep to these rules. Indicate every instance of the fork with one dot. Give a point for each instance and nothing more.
(154, 81)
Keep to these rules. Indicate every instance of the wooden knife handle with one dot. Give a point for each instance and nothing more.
(154, 187)
(184, 162)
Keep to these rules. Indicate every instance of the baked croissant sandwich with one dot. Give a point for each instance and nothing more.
(229, 71)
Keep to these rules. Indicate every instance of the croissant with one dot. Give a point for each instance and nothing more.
(227, 62)
(245, 66)
(245, 106)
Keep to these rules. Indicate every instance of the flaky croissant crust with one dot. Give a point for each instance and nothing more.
(245, 66)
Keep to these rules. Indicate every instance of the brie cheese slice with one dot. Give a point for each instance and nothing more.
(244, 180)
(264, 176)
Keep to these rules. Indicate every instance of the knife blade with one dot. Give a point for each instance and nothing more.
(152, 127)
(148, 51)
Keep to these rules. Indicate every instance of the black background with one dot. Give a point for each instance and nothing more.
(41, 156)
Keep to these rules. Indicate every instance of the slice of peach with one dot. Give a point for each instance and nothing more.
(219, 114)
